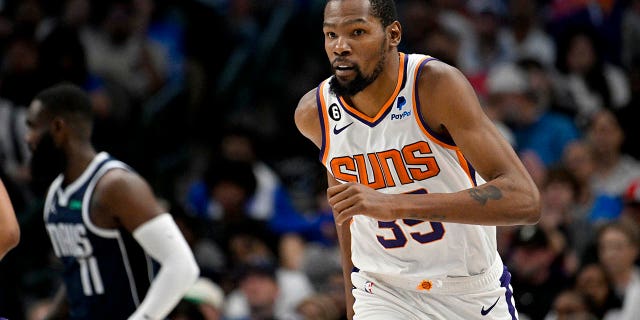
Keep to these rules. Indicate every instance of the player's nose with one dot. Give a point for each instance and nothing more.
(341, 47)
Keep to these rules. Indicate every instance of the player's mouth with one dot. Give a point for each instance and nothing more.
(343, 70)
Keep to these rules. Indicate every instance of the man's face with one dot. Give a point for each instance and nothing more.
(261, 290)
(605, 134)
(356, 45)
(616, 251)
(48, 159)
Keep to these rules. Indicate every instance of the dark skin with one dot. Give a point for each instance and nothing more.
(509, 197)
(121, 198)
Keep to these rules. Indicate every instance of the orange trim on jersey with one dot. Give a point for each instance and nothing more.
(387, 104)
(417, 112)
(325, 132)
(465, 166)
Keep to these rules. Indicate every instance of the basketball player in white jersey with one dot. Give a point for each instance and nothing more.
(418, 175)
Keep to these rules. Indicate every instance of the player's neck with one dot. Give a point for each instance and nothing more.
(373, 98)
(78, 159)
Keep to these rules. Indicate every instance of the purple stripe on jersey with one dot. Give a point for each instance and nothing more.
(446, 139)
(505, 282)
(322, 119)
(472, 172)
(406, 66)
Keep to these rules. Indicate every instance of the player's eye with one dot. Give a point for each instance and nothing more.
(358, 32)
(330, 35)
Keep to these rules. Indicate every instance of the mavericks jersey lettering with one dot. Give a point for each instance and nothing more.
(396, 152)
(106, 273)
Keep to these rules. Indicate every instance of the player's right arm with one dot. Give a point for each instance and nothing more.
(308, 123)
(9, 229)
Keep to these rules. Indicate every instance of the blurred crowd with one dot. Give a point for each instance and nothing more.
(198, 96)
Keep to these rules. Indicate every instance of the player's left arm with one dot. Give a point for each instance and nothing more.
(451, 107)
(128, 198)
(510, 196)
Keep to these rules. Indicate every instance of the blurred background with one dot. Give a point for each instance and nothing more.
(198, 96)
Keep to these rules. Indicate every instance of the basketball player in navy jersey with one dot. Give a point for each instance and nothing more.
(9, 228)
(418, 175)
(104, 222)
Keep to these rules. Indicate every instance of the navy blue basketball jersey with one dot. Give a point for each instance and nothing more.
(106, 272)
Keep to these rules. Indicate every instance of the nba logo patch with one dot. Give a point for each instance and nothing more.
(368, 287)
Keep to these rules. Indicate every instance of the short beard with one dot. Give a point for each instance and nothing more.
(47, 162)
(360, 82)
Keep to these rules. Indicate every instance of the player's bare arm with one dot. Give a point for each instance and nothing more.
(306, 118)
(308, 123)
(9, 229)
(509, 197)
(126, 199)
(123, 198)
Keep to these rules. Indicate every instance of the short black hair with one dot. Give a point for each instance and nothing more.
(233, 171)
(530, 237)
(259, 268)
(385, 10)
(66, 100)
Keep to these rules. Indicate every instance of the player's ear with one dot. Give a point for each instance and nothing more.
(57, 125)
(58, 128)
(394, 32)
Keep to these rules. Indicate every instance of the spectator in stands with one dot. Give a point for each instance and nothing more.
(592, 281)
(533, 263)
(614, 170)
(118, 54)
(204, 301)
(526, 35)
(631, 200)
(318, 307)
(570, 305)
(269, 201)
(589, 79)
(558, 198)
(266, 291)
(618, 249)
(535, 128)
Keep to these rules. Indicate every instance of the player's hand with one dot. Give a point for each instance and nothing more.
(350, 198)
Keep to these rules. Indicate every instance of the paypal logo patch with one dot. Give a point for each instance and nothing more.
(403, 114)
(401, 102)
(398, 116)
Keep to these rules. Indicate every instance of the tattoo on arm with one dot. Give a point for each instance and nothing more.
(484, 194)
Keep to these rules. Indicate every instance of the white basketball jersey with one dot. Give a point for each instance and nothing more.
(396, 152)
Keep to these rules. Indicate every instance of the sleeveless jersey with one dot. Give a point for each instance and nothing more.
(396, 152)
(105, 271)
